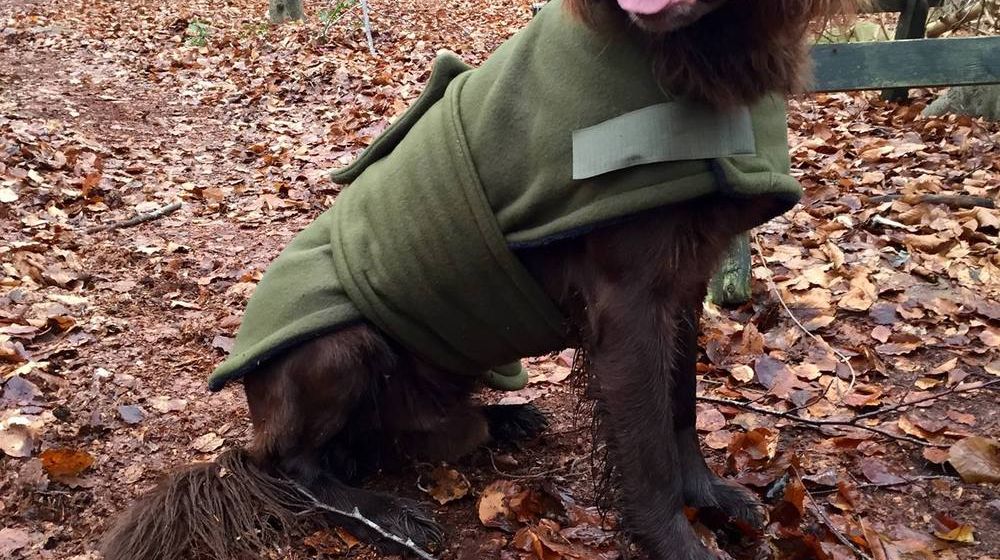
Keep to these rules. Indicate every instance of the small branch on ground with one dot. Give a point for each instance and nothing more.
(332, 21)
(569, 471)
(136, 220)
(934, 397)
(956, 201)
(854, 421)
(883, 221)
(909, 480)
(368, 27)
(777, 293)
(817, 509)
(356, 515)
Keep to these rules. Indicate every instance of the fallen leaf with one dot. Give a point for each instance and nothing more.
(7, 195)
(790, 509)
(945, 367)
(17, 440)
(167, 404)
(123, 286)
(930, 243)
(183, 304)
(719, 439)
(847, 496)
(935, 455)
(897, 348)
(947, 529)
(861, 296)
(962, 417)
(131, 414)
(925, 383)
(13, 539)
(777, 377)
(224, 343)
(68, 299)
(709, 419)
(65, 463)
(327, 543)
(976, 459)
(878, 472)
(492, 507)
(881, 333)
(207, 443)
(742, 373)
(19, 391)
(447, 485)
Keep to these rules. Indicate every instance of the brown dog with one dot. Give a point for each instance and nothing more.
(344, 404)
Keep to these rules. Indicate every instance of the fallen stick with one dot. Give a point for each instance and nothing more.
(956, 201)
(954, 390)
(368, 27)
(777, 293)
(818, 511)
(356, 515)
(911, 480)
(138, 219)
(852, 422)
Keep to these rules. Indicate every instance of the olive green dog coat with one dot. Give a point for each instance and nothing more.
(561, 131)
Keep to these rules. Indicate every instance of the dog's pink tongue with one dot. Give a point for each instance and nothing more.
(647, 7)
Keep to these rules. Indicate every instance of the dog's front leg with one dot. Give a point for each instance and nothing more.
(702, 487)
(632, 352)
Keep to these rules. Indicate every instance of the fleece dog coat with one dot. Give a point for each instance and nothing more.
(561, 131)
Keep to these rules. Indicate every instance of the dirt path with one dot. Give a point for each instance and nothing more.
(106, 338)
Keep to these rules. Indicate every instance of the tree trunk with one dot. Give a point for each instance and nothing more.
(280, 10)
(731, 284)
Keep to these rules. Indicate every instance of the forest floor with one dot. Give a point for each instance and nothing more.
(110, 109)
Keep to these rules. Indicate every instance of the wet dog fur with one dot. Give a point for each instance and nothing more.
(344, 405)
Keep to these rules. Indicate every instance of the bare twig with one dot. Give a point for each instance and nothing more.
(854, 421)
(813, 423)
(843, 359)
(331, 22)
(356, 515)
(883, 221)
(957, 201)
(818, 510)
(956, 389)
(368, 27)
(138, 219)
(909, 480)
(568, 471)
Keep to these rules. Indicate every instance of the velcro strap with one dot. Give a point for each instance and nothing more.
(674, 131)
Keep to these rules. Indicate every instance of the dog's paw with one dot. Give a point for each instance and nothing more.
(733, 501)
(407, 520)
(515, 422)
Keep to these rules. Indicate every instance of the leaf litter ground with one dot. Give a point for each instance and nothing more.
(107, 110)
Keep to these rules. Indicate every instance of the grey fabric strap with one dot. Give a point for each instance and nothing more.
(672, 131)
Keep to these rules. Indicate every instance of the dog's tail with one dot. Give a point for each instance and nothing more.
(223, 510)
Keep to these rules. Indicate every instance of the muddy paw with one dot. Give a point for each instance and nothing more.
(514, 423)
(738, 503)
(406, 519)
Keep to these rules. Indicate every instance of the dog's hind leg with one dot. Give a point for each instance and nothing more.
(702, 487)
(302, 407)
(245, 501)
